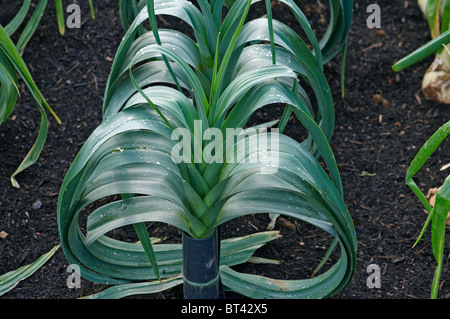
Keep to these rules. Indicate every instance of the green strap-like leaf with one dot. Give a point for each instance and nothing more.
(233, 251)
(422, 156)
(9, 49)
(34, 152)
(439, 223)
(141, 232)
(260, 287)
(10, 52)
(91, 7)
(8, 90)
(31, 26)
(126, 290)
(445, 16)
(288, 39)
(423, 52)
(20, 16)
(130, 153)
(437, 215)
(60, 16)
(432, 12)
(11, 279)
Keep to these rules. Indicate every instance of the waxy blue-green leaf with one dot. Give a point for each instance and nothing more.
(233, 251)
(181, 9)
(131, 289)
(223, 75)
(288, 39)
(260, 287)
(18, 19)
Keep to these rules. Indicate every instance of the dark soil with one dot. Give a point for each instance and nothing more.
(378, 138)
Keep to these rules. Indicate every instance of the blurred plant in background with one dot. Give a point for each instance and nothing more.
(436, 81)
(437, 211)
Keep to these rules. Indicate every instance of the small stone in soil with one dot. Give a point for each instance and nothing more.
(37, 204)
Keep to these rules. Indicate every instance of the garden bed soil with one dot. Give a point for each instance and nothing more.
(380, 125)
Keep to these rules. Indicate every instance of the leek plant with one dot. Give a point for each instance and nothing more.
(163, 154)
(437, 214)
(11, 279)
(435, 83)
(435, 87)
(12, 65)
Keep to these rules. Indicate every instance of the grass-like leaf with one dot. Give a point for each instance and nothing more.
(60, 16)
(11, 60)
(423, 52)
(11, 279)
(233, 252)
(437, 215)
(31, 26)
